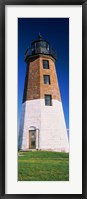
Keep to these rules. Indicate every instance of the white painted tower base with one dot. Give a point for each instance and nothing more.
(49, 123)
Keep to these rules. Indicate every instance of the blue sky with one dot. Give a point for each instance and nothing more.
(56, 32)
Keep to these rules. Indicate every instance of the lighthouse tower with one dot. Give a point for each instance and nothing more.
(42, 125)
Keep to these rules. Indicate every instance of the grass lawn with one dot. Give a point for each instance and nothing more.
(43, 166)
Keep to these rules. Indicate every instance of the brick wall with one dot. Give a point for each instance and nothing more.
(34, 85)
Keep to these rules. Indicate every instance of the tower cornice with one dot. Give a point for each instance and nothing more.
(28, 58)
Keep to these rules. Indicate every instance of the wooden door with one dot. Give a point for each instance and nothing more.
(32, 139)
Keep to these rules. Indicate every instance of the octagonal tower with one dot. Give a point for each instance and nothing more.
(42, 124)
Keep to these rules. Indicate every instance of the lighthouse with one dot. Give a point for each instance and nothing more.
(42, 124)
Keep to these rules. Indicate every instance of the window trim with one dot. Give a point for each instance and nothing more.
(47, 62)
(50, 99)
(48, 82)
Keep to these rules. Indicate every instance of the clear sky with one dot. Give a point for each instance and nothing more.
(56, 32)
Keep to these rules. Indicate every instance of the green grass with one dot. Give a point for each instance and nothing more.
(43, 166)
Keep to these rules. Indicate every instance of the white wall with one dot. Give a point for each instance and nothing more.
(50, 122)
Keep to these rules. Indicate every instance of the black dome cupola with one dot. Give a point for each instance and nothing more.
(40, 46)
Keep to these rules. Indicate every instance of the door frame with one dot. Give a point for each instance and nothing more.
(29, 141)
(37, 136)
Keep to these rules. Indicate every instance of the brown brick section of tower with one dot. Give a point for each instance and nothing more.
(32, 80)
(34, 85)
